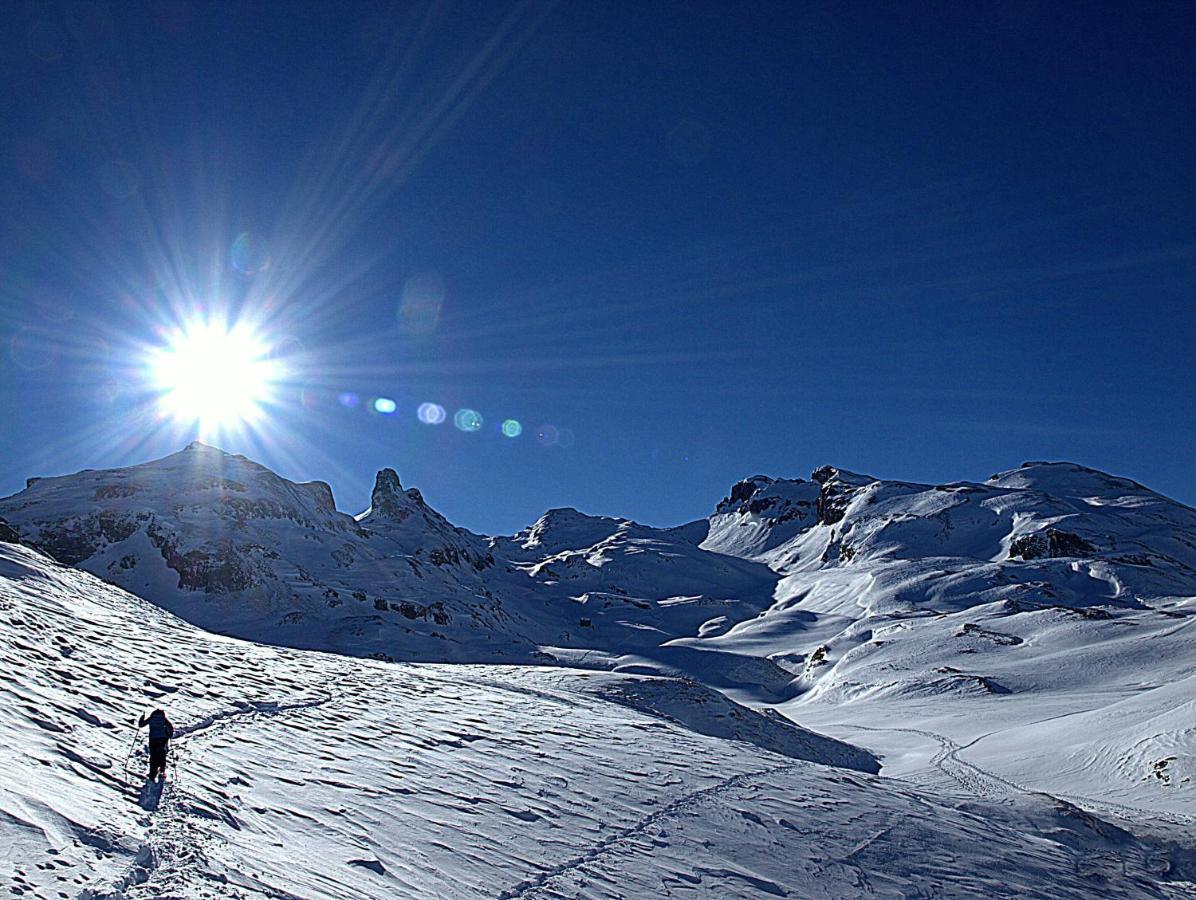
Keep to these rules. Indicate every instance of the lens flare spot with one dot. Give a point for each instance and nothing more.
(384, 405)
(431, 413)
(468, 420)
(348, 399)
(33, 348)
(249, 254)
(419, 308)
(511, 428)
(547, 435)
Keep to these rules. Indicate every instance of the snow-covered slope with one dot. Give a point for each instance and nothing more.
(1041, 619)
(1027, 633)
(303, 774)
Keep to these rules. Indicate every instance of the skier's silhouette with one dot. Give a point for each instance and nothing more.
(160, 733)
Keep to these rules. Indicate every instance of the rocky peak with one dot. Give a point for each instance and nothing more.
(839, 487)
(388, 498)
(322, 492)
(827, 474)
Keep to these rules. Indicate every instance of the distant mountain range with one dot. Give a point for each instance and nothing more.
(785, 589)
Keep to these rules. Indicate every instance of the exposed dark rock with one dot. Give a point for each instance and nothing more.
(834, 497)
(222, 572)
(986, 684)
(1030, 546)
(242, 509)
(74, 540)
(322, 491)
(435, 612)
(971, 629)
(742, 492)
(110, 491)
(219, 571)
(1084, 612)
(452, 556)
(1051, 544)
(388, 499)
(1063, 544)
(8, 534)
(823, 474)
(760, 504)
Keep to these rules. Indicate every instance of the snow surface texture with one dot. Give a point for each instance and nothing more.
(1012, 651)
(315, 775)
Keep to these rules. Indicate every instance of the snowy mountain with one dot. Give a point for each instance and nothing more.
(1026, 639)
(1042, 619)
(301, 774)
(233, 547)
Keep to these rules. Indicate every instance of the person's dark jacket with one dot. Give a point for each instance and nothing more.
(159, 726)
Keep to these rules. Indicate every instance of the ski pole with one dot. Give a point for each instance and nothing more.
(129, 755)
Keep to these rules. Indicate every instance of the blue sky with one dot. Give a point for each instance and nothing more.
(699, 241)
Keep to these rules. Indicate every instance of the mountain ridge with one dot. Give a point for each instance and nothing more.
(845, 601)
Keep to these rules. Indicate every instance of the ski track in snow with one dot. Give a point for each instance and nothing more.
(531, 885)
(174, 843)
(973, 779)
(988, 785)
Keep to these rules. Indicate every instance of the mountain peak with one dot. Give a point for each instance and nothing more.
(825, 474)
(1065, 479)
(387, 498)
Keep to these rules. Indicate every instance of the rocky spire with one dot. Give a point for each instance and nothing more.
(388, 498)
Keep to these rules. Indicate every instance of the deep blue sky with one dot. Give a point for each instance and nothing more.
(921, 241)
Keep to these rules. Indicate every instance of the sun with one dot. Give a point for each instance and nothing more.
(215, 376)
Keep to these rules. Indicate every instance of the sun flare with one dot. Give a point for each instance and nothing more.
(215, 376)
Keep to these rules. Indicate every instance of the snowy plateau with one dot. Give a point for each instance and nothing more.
(833, 687)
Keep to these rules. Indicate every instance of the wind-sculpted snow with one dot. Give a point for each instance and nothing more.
(1028, 633)
(315, 775)
(709, 712)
